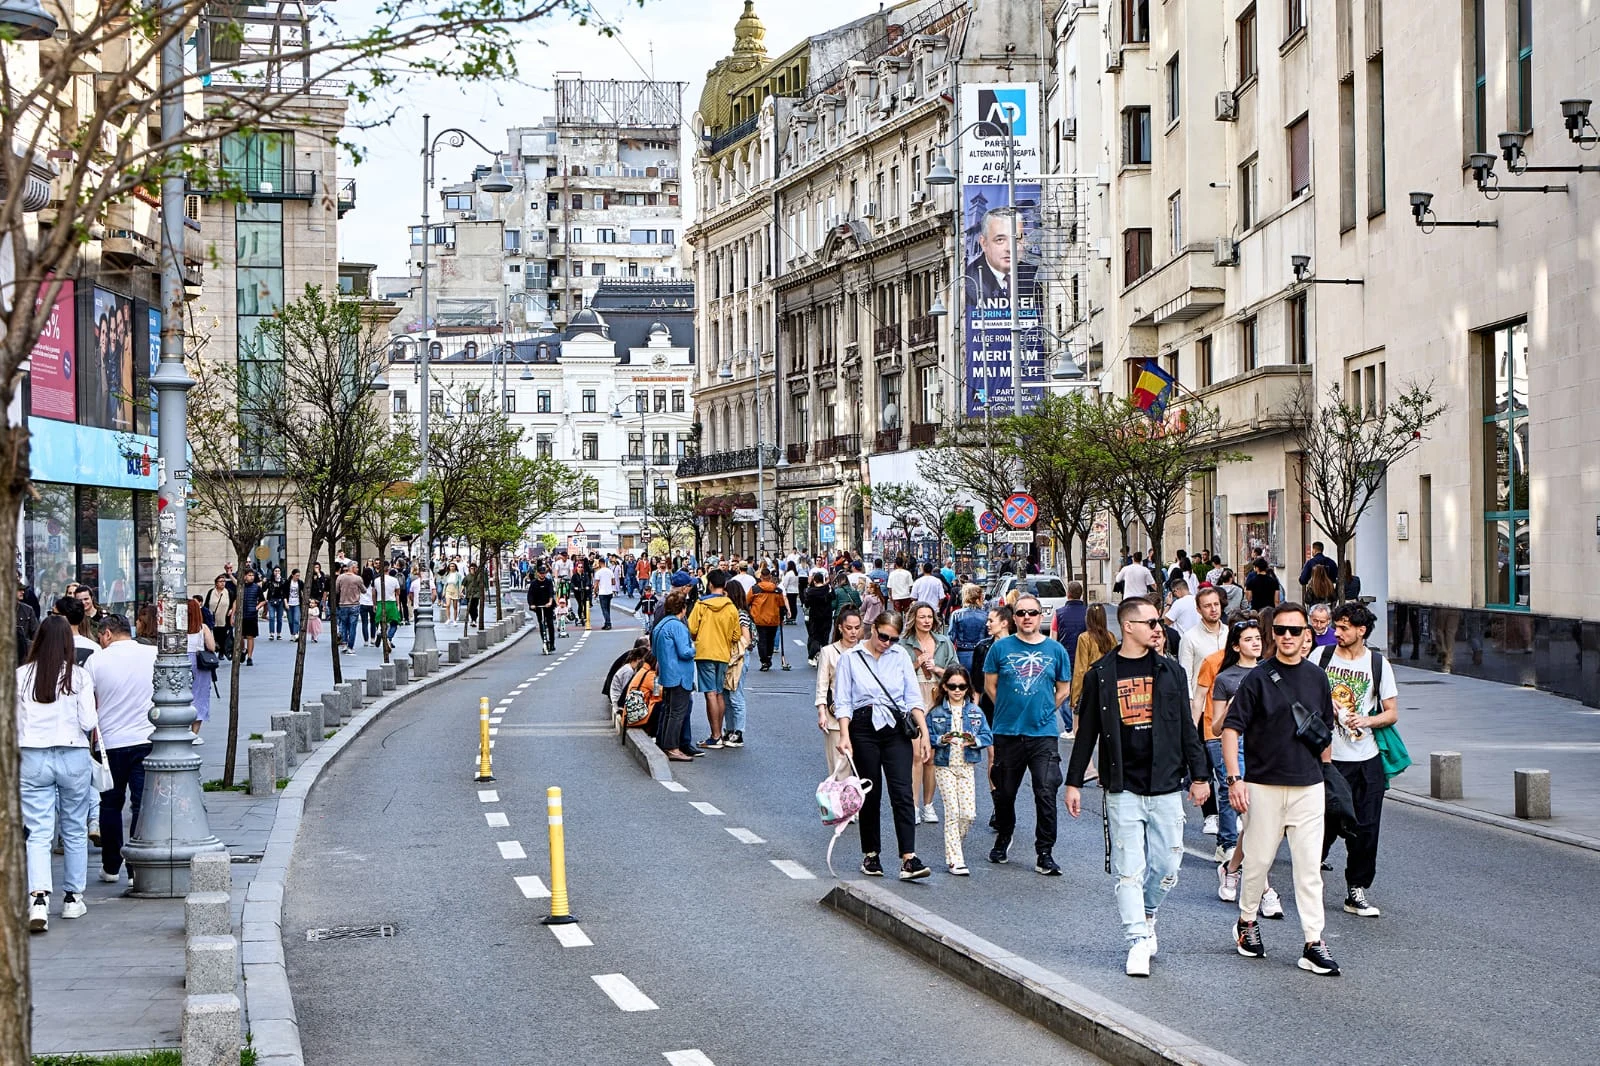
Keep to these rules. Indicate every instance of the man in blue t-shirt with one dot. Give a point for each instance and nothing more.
(1026, 676)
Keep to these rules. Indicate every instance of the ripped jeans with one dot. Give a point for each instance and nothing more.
(1146, 850)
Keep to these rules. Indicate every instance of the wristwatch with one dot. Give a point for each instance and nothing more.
(1234, 777)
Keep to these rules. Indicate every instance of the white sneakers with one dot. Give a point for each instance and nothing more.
(73, 907)
(1271, 905)
(929, 815)
(38, 913)
(1210, 828)
(1139, 957)
(111, 877)
(1227, 884)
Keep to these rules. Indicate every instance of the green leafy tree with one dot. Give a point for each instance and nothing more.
(1064, 465)
(509, 495)
(961, 529)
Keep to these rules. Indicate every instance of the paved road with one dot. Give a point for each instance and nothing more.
(735, 957)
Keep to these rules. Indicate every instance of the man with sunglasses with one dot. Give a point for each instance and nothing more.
(1027, 675)
(1135, 707)
(1284, 795)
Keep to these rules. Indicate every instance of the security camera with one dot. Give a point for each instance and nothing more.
(1420, 202)
(1301, 264)
(1482, 164)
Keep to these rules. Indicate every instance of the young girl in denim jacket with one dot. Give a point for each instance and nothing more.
(959, 733)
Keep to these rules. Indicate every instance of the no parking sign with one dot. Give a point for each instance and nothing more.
(1021, 510)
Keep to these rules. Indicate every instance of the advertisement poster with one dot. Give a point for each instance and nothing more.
(154, 342)
(53, 382)
(1000, 197)
(110, 380)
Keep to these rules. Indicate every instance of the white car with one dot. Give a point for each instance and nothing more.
(1049, 588)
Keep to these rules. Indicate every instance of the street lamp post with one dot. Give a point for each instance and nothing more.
(172, 826)
(423, 638)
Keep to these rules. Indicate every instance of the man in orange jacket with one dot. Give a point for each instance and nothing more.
(769, 608)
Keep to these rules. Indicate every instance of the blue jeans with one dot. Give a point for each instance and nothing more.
(275, 617)
(53, 777)
(348, 616)
(1227, 817)
(1146, 850)
(736, 703)
(127, 775)
(605, 607)
(294, 621)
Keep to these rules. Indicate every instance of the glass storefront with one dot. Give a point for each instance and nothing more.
(102, 537)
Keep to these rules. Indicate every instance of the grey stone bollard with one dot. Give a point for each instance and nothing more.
(478, 643)
(419, 663)
(319, 721)
(263, 769)
(283, 722)
(211, 871)
(279, 739)
(300, 731)
(352, 692)
(402, 672)
(333, 708)
(1531, 791)
(387, 673)
(207, 914)
(374, 688)
(210, 965)
(454, 651)
(211, 1027)
(433, 661)
(1444, 775)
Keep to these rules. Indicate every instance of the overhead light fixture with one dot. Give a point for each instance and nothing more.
(1511, 142)
(1575, 113)
(725, 370)
(28, 18)
(1482, 166)
(938, 309)
(497, 181)
(941, 174)
(1064, 367)
(1301, 265)
(1422, 213)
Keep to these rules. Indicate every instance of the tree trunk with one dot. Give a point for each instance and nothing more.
(499, 608)
(16, 1005)
(242, 559)
(300, 639)
(333, 600)
(1339, 557)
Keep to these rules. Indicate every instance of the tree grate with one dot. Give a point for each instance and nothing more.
(351, 932)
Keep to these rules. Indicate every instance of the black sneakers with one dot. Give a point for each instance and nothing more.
(914, 869)
(1002, 844)
(733, 739)
(1247, 939)
(1316, 959)
(871, 866)
(1046, 864)
(1356, 902)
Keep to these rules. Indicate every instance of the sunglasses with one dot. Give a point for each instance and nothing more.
(1287, 631)
(955, 688)
(888, 636)
(1153, 623)
(1248, 624)
(1026, 614)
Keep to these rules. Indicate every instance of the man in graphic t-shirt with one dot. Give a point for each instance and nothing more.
(1027, 675)
(1135, 707)
(1362, 702)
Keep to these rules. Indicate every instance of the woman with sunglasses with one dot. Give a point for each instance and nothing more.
(959, 734)
(874, 690)
(1238, 659)
(933, 653)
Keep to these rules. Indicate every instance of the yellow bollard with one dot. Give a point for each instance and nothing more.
(560, 912)
(485, 770)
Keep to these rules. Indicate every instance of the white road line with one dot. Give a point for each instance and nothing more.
(571, 936)
(488, 795)
(491, 745)
(1204, 856)
(623, 992)
(794, 870)
(493, 732)
(744, 836)
(673, 786)
(511, 849)
(496, 820)
(705, 808)
(691, 1057)
(497, 721)
(532, 887)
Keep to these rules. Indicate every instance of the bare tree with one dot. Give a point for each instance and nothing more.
(1065, 468)
(900, 502)
(779, 517)
(1346, 451)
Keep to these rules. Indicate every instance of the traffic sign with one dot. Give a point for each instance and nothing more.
(825, 534)
(1015, 536)
(987, 522)
(577, 529)
(827, 516)
(1021, 510)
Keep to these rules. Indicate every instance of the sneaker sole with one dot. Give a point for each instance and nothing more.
(1371, 912)
(1240, 948)
(920, 875)
(1311, 967)
(872, 873)
(74, 914)
(1046, 873)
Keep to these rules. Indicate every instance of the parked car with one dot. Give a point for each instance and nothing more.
(1050, 588)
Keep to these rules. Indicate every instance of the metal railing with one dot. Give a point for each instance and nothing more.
(725, 462)
(923, 433)
(734, 134)
(924, 329)
(797, 452)
(842, 445)
(885, 339)
(886, 440)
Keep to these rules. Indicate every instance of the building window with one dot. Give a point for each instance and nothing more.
(577, 201)
(1478, 62)
(1135, 255)
(577, 235)
(1524, 64)
(591, 494)
(1202, 361)
(457, 201)
(635, 447)
(1294, 12)
(677, 401)
(1507, 551)
(597, 270)
(1246, 34)
(577, 268)
(470, 406)
(1174, 91)
(1136, 135)
(636, 495)
(399, 403)
(1247, 343)
(660, 448)
(1136, 21)
(541, 401)
(1175, 222)
(508, 402)
(641, 401)
(543, 447)
(1347, 154)
(1376, 197)
(605, 236)
(668, 237)
(436, 401)
(1425, 527)
(1299, 156)
(591, 446)
(660, 401)
(1249, 194)
(1299, 340)
(588, 402)
(513, 242)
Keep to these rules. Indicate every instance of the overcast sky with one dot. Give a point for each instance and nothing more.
(676, 40)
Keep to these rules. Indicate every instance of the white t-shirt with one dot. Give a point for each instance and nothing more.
(387, 587)
(789, 583)
(294, 593)
(1184, 615)
(1136, 580)
(562, 568)
(1351, 682)
(899, 584)
(605, 582)
(124, 674)
(927, 589)
(63, 722)
(746, 580)
(858, 581)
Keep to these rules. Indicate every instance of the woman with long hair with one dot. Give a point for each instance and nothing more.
(738, 667)
(873, 602)
(1095, 641)
(789, 585)
(1246, 641)
(968, 624)
(959, 733)
(55, 720)
(200, 638)
(932, 654)
(846, 635)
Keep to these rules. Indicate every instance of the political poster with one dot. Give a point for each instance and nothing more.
(108, 373)
(1000, 221)
(53, 379)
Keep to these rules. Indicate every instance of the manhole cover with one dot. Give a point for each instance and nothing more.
(351, 932)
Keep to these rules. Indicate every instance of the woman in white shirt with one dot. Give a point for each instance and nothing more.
(55, 717)
(874, 686)
(200, 638)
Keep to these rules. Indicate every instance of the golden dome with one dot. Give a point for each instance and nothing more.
(749, 35)
(749, 53)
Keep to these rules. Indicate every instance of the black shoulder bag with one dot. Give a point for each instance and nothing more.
(903, 722)
(1309, 728)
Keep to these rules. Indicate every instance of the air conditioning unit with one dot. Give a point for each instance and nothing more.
(1114, 60)
(869, 210)
(1102, 248)
(918, 197)
(1069, 129)
(468, 216)
(1225, 253)
(1227, 106)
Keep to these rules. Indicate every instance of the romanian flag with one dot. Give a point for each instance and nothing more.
(1153, 389)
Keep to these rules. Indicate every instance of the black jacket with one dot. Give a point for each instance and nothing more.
(1175, 741)
(541, 591)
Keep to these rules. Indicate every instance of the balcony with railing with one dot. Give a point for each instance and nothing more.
(885, 339)
(840, 446)
(347, 196)
(266, 183)
(734, 134)
(886, 440)
(733, 462)
(923, 434)
(796, 452)
(924, 329)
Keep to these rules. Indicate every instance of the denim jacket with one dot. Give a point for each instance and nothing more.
(940, 723)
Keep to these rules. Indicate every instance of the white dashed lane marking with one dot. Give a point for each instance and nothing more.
(673, 786)
(794, 870)
(706, 808)
(493, 732)
(488, 795)
(691, 1057)
(744, 836)
(532, 887)
(623, 992)
(571, 936)
(511, 849)
(497, 820)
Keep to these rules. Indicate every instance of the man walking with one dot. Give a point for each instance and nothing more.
(769, 608)
(1027, 675)
(1135, 707)
(1071, 618)
(347, 590)
(1364, 699)
(124, 689)
(1201, 641)
(714, 628)
(900, 584)
(605, 587)
(1275, 706)
(928, 588)
(1136, 579)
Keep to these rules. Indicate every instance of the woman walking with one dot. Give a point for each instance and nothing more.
(55, 718)
(875, 695)
(932, 653)
(969, 624)
(277, 593)
(294, 595)
(1096, 640)
(847, 636)
(959, 734)
(452, 594)
(201, 680)
(789, 585)
(738, 663)
(818, 600)
(873, 602)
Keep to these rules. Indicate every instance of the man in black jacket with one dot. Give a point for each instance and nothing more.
(542, 601)
(1135, 706)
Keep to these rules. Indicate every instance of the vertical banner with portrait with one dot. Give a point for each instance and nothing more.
(52, 379)
(107, 368)
(153, 362)
(999, 242)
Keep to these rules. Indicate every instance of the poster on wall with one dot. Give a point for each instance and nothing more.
(53, 382)
(153, 340)
(109, 378)
(1100, 539)
(1000, 196)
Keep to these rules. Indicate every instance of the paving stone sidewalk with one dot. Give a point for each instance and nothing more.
(113, 980)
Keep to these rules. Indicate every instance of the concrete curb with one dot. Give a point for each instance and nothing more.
(1515, 825)
(648, 755)
(1086, 1018)
(269, 1002)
